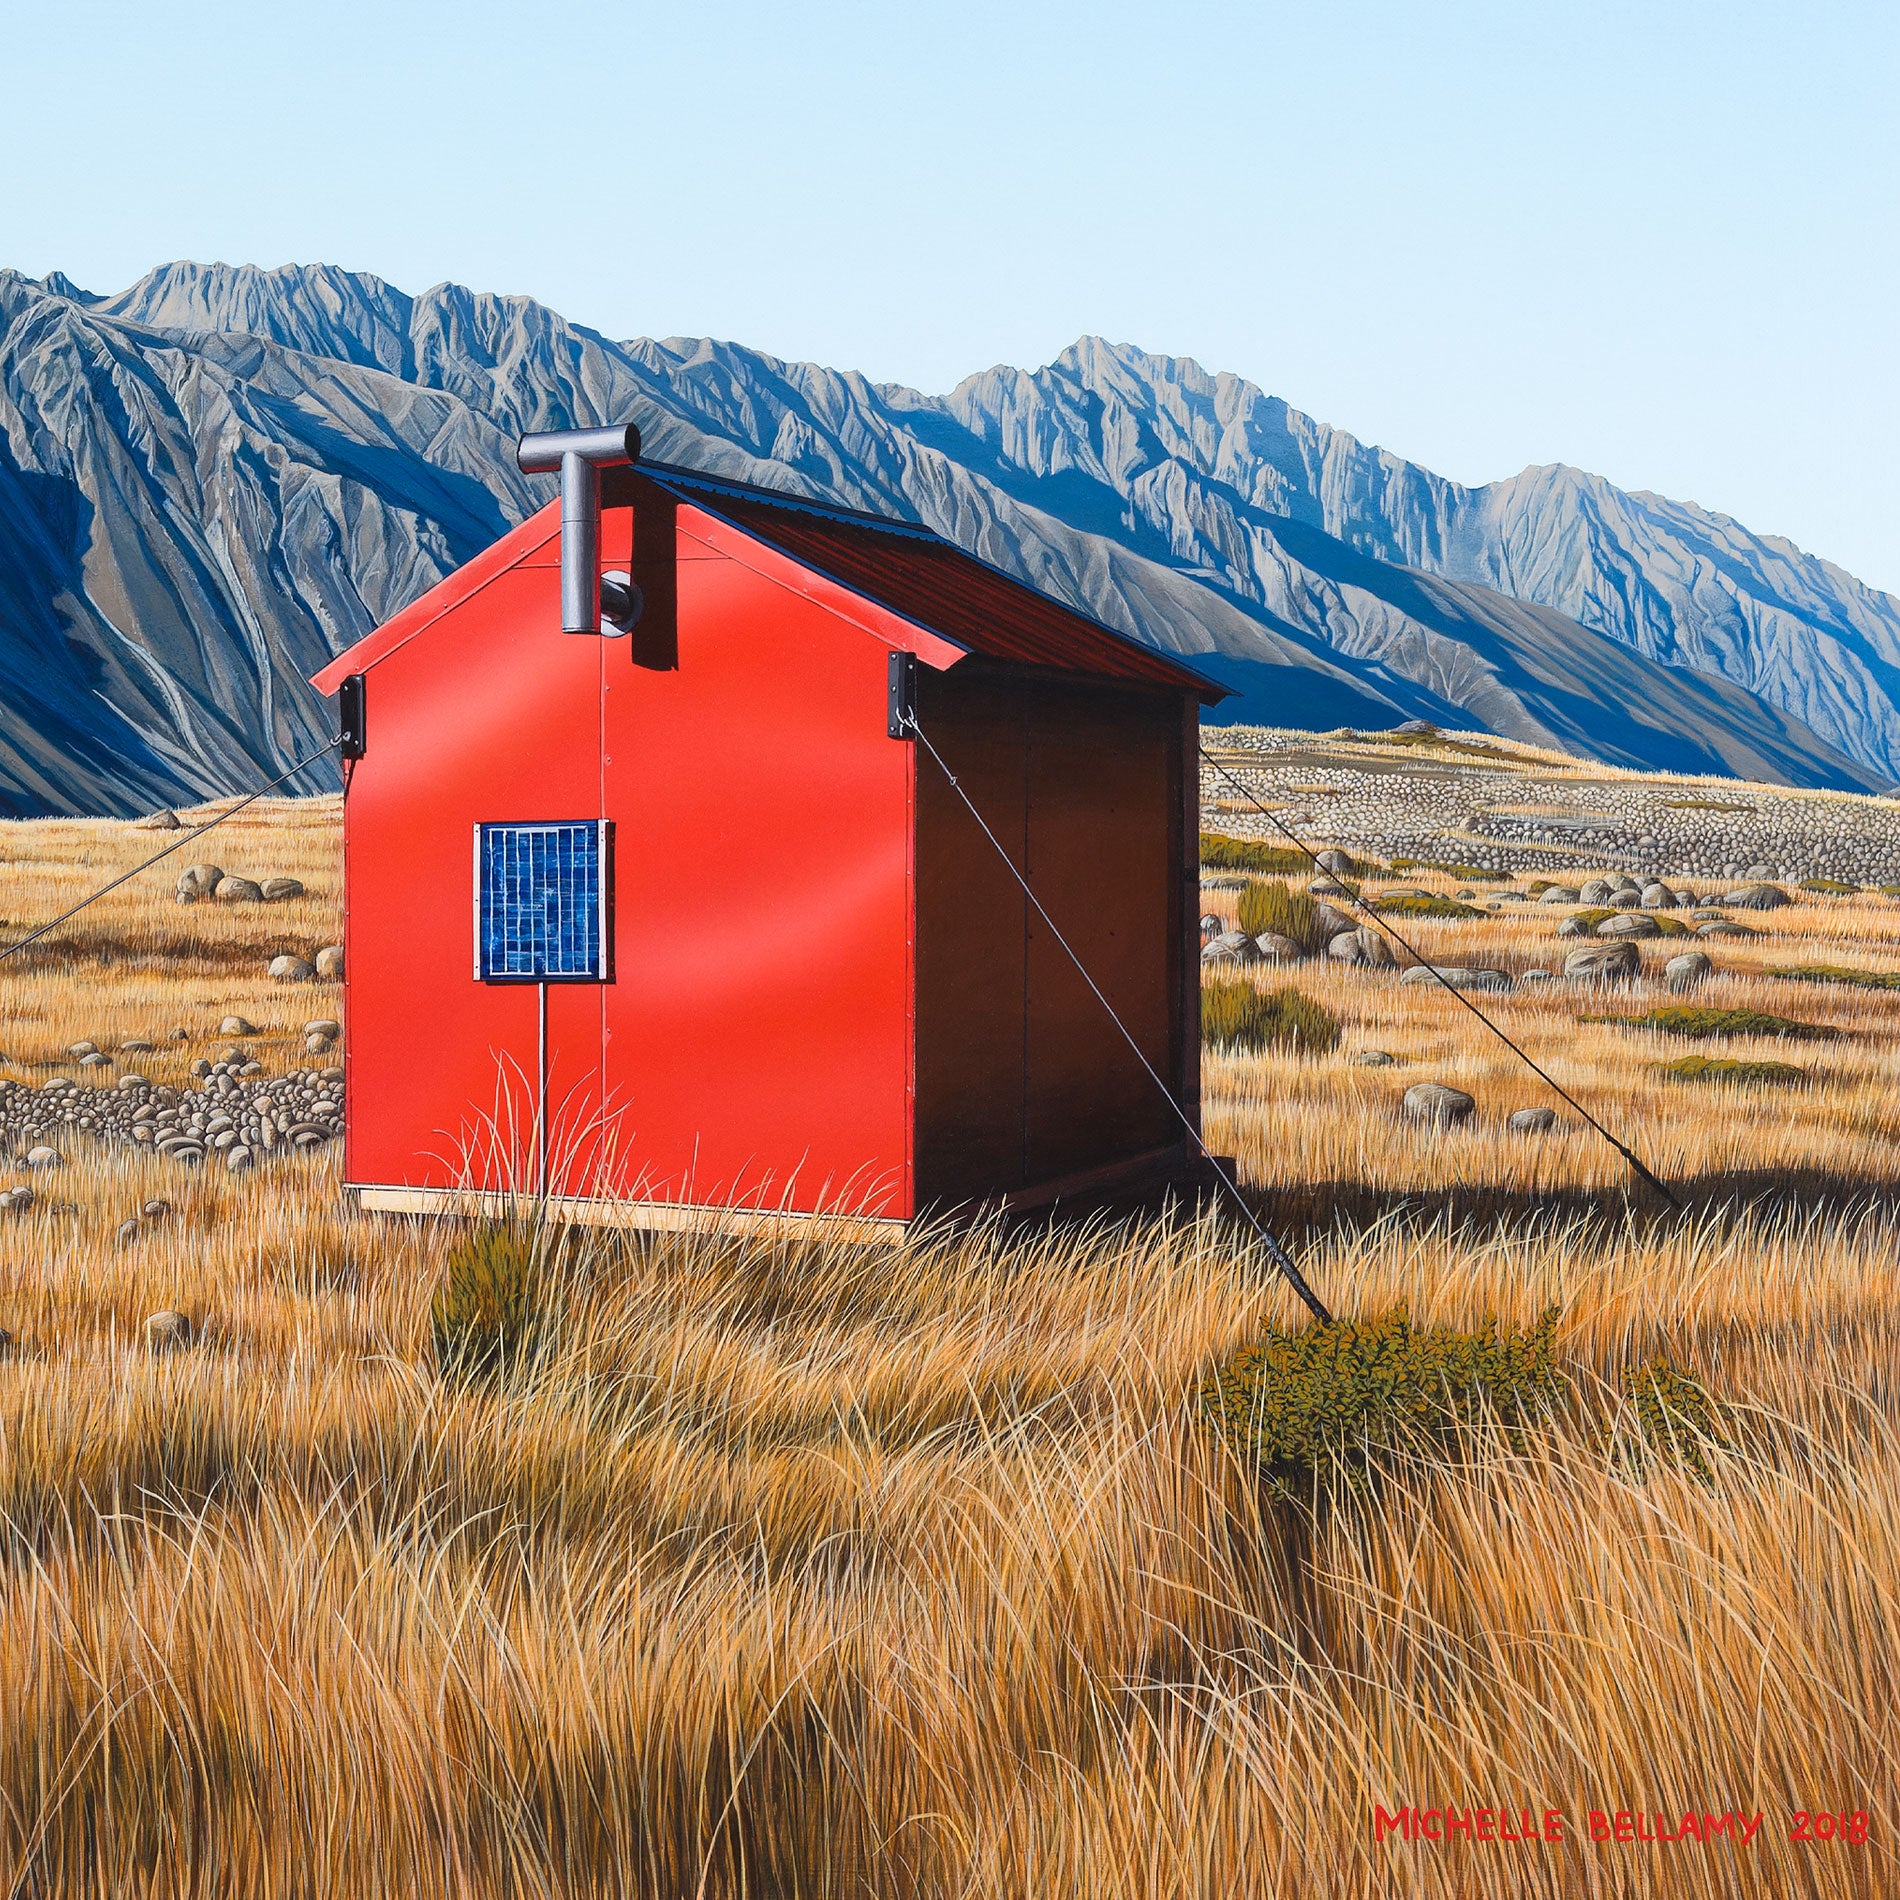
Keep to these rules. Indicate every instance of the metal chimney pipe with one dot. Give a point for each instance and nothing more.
(580, 455)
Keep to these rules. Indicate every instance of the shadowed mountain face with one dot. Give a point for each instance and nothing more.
(214, 481)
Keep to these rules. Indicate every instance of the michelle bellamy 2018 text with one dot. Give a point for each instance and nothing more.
(1632, 1826)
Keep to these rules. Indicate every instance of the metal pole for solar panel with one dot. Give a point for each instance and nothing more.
(541, 1100)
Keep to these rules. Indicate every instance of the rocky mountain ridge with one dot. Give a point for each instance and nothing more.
(214, 480)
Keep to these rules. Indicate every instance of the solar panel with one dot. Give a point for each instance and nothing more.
(541, 909)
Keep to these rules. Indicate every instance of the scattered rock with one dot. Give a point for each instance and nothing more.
(277, 889)
(1346, 948)
(1374, 1059)
(198, 880)
(1597, 891)
(1211, 926)
(95, 1061)
(1533, 1121)
(42, 1156)
(234, 1026)
(1724, 928)
(326, 1026)
(1278, 949)
(1660, 897)
(1327, 887)
(135, 1046)
(1231, 946)
(166, 820)
(1456, 977)
(1434, 1102)
(1560, 894)
(1686, 971)
(1621, 899)
(288, 969)
(181, 1034)
(231, 889)
(330, 962)
(1603, 963)
(16, 1200)
(1337, 862)
(1756, 897)
(237, 1157)
(167, 1332)
(82, 1048)
(1630, 925)
(1330, 922)
(156, 1210)
(128, 1230)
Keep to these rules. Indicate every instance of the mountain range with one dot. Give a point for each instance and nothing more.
(215, 480)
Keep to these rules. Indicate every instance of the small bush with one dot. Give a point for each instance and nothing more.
(1675, 1419)
(1267, 905)
(1839, 973)
(1830, 887)
(1705, 804)
(485, 1315)
(1222, 853)
(1237, 1014)
(1729, 1069)
(1686, 1019)
(1427, 905)
(1335, 1402)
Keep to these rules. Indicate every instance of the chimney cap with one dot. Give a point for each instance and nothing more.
(543, 453)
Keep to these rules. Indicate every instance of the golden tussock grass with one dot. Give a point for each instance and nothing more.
(799, 1569)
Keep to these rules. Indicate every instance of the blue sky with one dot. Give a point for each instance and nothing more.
(1656, 241)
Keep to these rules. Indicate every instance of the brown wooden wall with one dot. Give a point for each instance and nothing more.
(1021, 1077)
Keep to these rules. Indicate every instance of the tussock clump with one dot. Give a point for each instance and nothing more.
(1839, 973)
(1334, 1402)
(1237, 1014)
(1270, 907)
(1687, 1019)
(1222, 853)
(1731, 1069)
(1427, 905)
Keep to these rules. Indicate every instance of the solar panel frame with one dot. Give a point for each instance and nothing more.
(543, 901)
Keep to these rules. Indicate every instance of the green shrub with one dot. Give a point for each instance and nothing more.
(1335, 1402)
(486, 1312)
(1839, 973)
(1830, 887)
(1687, 1019)
(1705, 804)
(1425, 904)
(1222, 853)
(1675, 1420)
(1240, 1015)
(1729, 1069)
(1267, 905)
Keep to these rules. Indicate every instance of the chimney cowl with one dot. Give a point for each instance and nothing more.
(579, 455)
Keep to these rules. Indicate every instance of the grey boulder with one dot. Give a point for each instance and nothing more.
(1629, 925)
(1436, 1103)
(276, 889)
(1533, 1121)
(330, 962)
(1686, 971)
(238, 890)
(1603, 963)
(288, 969)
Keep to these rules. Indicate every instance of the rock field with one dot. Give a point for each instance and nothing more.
(1470, 800)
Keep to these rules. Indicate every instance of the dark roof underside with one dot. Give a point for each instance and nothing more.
(926, 579)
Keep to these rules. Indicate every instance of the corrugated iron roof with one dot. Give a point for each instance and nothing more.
(911, 571)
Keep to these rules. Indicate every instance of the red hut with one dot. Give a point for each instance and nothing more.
(692, 918)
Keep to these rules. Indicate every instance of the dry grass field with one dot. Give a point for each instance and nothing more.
(780, 1569)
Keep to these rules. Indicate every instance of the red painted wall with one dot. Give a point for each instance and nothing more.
(757, 1036)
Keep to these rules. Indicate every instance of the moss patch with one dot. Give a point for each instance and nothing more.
(1729, 1069)
(1830, 887)
(1838, 973)
(1426, 905)
(1222, 853)
(1686, 1019)
(1466, 871)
